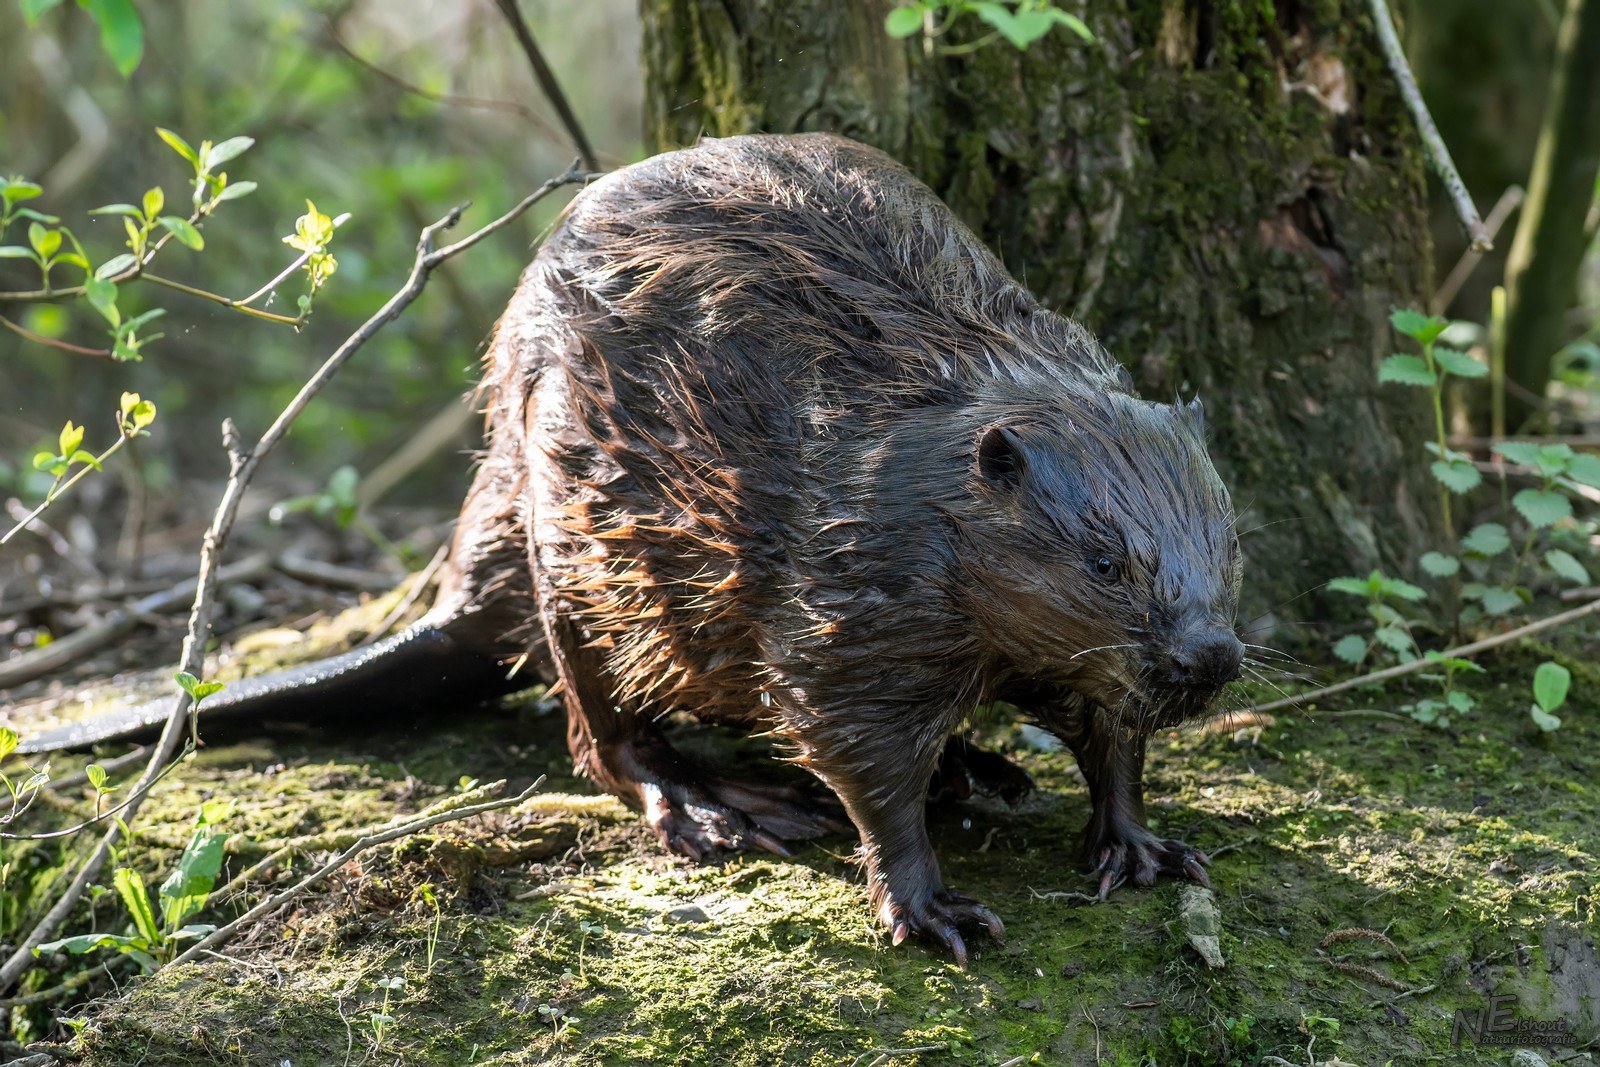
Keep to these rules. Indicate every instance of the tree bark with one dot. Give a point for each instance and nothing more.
(1554, 234)
(1230, 195)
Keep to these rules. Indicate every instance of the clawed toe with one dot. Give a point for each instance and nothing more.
(697, 819)
(940, 915)
(1145, 859)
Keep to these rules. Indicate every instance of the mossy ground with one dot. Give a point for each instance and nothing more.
(562, 933)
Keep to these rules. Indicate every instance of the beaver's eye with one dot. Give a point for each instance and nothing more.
(1106, 568)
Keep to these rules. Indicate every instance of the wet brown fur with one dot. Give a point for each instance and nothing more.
(775, 441)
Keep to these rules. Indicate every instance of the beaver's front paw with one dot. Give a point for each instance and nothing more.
(939, 914)
(1144, 857)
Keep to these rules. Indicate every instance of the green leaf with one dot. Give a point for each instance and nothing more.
(234, 190)
(1439, 565)
(225, 150)
(8, 741)
(184, 231)
(197, 689)
(1456, 475)
(121, 32)
(1489, 539)
(154, 201)
(1567, 566)
(86, 943)
(1406, 370)
(1459, 363)
(80, 456)
(96, 775)
(1424, 328)
(1542, 507)
(1020, 27)
(32, 9)
(1498, 601)
(70, 438)
(115, 265)
(1550, 684)
(1403, 589)
(1393, 638)
(130, 887)
(101, 293)
(117, 209)
(189, 886)
(1071, 22)
(179, 145)
(15, 190)
(1552, 459)
(1524, 452)
(36, 216)
(1353, 586)
(1460, 702)
(903, 21)
(1544, 720)
(15, 252)
(1585, 468)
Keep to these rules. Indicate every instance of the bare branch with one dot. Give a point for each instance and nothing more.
(1478, 236)
(243, 467)
(547, 81)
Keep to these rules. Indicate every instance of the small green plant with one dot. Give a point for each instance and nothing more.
(563, 1024)
(154, 936)
(340, 503)
(1454, 471)
(1550, 684)
(380, 1020)
(19, 794)
(197, 689)
(1021, 22)
(97, 779)
(70, 463)
(1390, 630)
(425, 891)
(1435, 711)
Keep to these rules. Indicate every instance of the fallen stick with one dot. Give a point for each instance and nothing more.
(116, 623)
(1459, 652)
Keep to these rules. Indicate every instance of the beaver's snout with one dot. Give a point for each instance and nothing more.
(1204, 661)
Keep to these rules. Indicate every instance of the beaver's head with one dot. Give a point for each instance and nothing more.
(1106, 559)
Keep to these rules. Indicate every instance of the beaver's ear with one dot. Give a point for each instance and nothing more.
(1000, 458)
(1194, 412)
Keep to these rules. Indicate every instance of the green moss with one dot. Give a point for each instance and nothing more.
(565, 936)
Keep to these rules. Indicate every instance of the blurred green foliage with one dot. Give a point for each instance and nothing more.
(356, 106)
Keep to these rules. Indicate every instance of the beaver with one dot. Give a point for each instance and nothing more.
(774, 441)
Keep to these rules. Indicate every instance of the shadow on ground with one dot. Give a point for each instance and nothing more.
(559, 932)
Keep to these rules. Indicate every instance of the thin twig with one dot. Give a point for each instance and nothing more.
(547, 81)
(224, 933)
(451, 99)
(39, 338)
(1509, 201)
(1459, 652)
(242, 468)
(1478, 236)
(216, 298)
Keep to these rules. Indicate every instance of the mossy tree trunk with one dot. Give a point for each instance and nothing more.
(1230, 195)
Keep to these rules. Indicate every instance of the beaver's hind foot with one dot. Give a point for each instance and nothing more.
(695, 812)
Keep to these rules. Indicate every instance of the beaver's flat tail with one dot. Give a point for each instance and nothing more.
(421, 669)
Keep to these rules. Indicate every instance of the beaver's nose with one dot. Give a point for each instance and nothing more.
(1206, 661)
